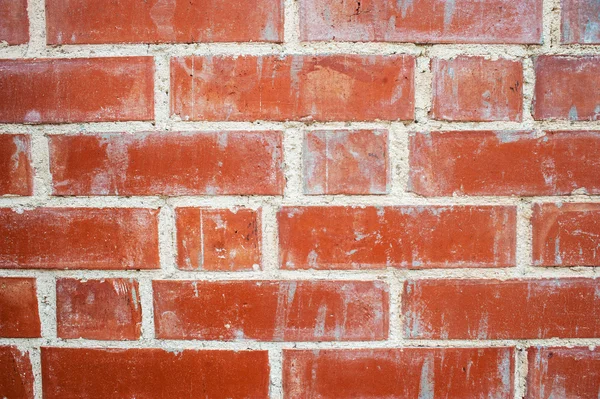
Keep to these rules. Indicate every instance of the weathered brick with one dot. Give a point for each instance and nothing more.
(452, 373)
(580, 21)
(218, 239)
(271, 310)
(567, 88)
(346, 162)
(19, 316)
(405, 236)
(14, 23)
(322, 88)
(493, 309)
(189, 163)
(504, 163)
(76, 90)
(98, 309)
(178, 21)
(476, 89)
(79, 238)
(16, 172)
(154, 373)
(563, 372)
(16, 376)
(423, 21)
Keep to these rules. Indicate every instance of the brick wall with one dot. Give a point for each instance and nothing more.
(299, 199)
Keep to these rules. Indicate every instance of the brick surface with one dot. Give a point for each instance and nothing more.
(178, 21)
(153, 373)
(404, 236)
(16, 376)
(190, 163)
(566, 88)
(451, 373)
(16, 172)
(477, 89)
(557, 372)
(271, 310)
(580, 21)
(494, 309)
(422, 21)
(19, 316)
(14, 23)
(98, 309)
(77, 90)
(321, 88)
(218, 239)
(79, 238)
(346, 162)
(494, 163)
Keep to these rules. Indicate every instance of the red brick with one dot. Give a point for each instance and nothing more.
(346, 162)
(494, 163)
(566, 234)
(271, 310)
(322, 88)
(476, 89)
(452, 373)
(16, 172)
(16, 376)
(76, 90)
(563, 373)
(218, 239)
(154, 373)
(98, 309)
(14, 23)
(410, 237)
(580, 21)
(178, 21)
(190, 163)
(566, 88)
(422, 21)
(493, 309)
(19, 316)
(79, 238)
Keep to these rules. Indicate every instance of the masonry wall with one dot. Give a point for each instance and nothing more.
(299, 199)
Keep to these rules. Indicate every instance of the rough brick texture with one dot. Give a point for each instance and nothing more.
(19, 317)
(16, 375)
(504, 163)
(399, 373)
(271, 310)
(320, 88)
(79, 238)
(580, 21)
(14, 24)
(16, 172)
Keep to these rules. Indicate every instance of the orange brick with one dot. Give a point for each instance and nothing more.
(19, 316)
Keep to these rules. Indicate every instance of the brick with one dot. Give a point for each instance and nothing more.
(580, 21)
(566, 234)
(154, 373)
(272, 87)
(411, 237)
(346, 162)
(77, 90)
(271, 310)
(16, 376)
(476, 89)
(19, 316)
(14, 23)
(558, 372)
(98, 309)
(567, 88)
(218, 239)
(493, 309)
(178, 21)
(452, 373)
(16, 172)
(493, 163)
(79, 238)
(423, 21)
(190, 163)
